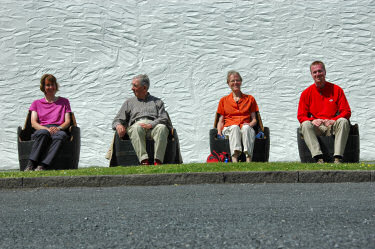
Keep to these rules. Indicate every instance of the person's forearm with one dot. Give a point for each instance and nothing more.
(253, 123)
(120, 117)
(220, 125)
(38, 126)
(220, 128)
(160, 120)
(64, 125)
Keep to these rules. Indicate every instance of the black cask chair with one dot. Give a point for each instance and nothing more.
(261, 150)
(351, 153)
(68, 156)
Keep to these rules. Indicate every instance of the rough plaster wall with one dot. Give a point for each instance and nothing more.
(94, 48)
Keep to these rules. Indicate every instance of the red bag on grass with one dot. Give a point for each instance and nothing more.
(215, 157)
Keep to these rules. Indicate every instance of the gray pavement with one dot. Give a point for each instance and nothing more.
(190, 178)
(289, 215)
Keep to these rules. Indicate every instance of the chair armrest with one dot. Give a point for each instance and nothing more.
(24, 134)
(19, 132)
(354, 130)
(75, 132)
(259, 121)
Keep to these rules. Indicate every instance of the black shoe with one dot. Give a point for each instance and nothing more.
(29, 167)
(319, 159)
(40, 168)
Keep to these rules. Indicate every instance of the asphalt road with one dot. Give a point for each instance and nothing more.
(336, 215)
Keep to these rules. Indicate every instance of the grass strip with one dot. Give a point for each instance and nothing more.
(192, 167)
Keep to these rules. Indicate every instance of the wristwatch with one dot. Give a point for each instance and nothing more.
(60, 128)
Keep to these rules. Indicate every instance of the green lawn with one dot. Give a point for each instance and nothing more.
(193, 167)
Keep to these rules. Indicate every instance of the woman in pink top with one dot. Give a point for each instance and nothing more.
(50, 116)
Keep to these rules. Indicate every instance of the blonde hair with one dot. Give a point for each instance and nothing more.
(232, 72)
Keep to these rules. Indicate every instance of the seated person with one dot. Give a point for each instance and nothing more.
(237, 118)
(141, 116)
(324, 110)
(50, 116)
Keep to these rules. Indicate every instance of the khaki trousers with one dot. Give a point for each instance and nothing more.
(138, 137)
(340, 129)
(246, 134)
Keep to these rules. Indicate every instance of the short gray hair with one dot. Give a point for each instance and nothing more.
(143, 80)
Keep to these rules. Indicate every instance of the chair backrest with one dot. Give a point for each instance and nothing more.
(28, 129)
(258, 117)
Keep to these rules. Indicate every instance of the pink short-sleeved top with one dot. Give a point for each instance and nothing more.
(51, 113)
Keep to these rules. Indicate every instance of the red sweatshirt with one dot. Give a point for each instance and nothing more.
(328, 102)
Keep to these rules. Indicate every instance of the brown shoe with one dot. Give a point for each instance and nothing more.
(320, 161)
(40, 168)
(145, 162)
(337, 160)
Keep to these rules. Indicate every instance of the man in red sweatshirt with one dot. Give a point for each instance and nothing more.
(324, 110)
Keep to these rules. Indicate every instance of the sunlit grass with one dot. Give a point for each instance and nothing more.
(192, 167)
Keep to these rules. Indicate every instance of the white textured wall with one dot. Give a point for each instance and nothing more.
(95, 48)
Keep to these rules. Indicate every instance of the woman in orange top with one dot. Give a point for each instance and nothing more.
(237, 118)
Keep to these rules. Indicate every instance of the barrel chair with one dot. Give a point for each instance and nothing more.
(68, 156)
(261, 146)
(351, 153)
(122, 152)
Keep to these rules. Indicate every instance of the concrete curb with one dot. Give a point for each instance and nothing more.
(261, 177)
(335, 176)
(189, 178)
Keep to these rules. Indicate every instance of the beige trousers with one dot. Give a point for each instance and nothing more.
(138, 137)
(246, 134)
(340, 129)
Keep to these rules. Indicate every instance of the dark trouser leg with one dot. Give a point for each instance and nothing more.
(41, 139)
(57, 139)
